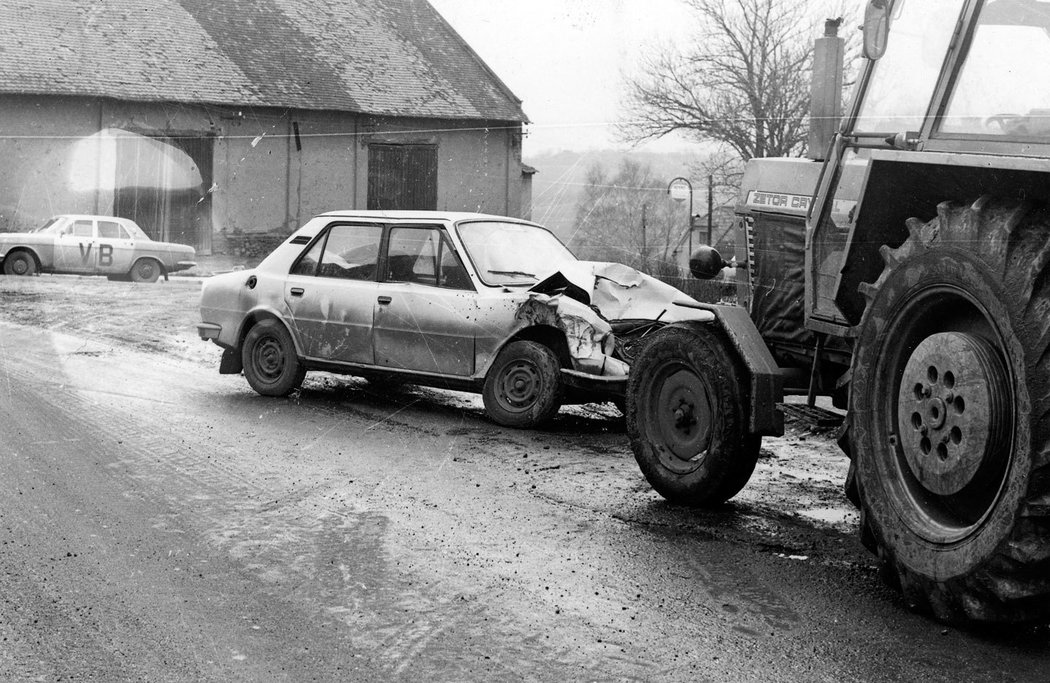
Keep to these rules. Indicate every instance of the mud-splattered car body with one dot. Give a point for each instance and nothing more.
(436, 298)
(92, 245)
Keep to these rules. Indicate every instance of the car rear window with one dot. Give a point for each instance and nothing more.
(349, 252)
(83, 228)
(112, 230)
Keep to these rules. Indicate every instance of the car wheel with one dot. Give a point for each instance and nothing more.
(19, 263)
(145, 270)
(523, 386)
(271, 365)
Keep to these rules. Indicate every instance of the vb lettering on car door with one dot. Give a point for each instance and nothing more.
(115, 248)
(75, 248)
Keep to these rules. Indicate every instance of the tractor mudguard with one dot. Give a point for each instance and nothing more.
(767, 386)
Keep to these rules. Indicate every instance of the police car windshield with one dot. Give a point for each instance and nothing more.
(51, 226)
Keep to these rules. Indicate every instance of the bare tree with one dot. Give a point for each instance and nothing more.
(744, 82)
(611, 213)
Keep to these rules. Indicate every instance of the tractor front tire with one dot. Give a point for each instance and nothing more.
(949, 403)
(687, 416)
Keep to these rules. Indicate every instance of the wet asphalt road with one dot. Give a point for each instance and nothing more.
(159, 521)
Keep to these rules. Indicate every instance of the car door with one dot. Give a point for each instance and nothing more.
(427, 310)
(331, 293)
(115, 248)
(75, 250)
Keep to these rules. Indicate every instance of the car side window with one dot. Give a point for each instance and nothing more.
(307, 263)
(452, 274)
(82, 228)
(111, 230)
(425, 256)
(411, 255)
(348, 252)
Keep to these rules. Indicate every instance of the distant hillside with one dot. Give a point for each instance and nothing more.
(560, 180)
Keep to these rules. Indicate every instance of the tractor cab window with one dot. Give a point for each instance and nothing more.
(1003, 87)
(902, 83)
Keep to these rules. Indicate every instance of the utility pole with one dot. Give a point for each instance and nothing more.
(645, 252)
(710, 209)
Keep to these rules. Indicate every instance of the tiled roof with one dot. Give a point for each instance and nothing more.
(390, 57)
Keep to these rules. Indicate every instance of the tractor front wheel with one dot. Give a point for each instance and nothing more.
(687, 416)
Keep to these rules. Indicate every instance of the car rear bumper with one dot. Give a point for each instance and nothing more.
(183, 265)
(209, 331)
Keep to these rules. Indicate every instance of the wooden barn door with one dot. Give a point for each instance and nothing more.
(402, 177)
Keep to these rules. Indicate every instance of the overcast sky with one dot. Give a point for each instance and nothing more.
(566, 59)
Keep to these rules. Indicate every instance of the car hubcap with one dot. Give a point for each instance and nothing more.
(146, 270)
(269, 358)
(521, 385)
(20, 266)
(685, 415)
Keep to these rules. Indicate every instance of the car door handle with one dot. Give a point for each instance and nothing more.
(297, 291)
(384, 299)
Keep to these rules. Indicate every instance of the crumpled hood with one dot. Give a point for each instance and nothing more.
(620, 292)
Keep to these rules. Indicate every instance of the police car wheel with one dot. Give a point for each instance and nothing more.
(145, 270)
(19, 263)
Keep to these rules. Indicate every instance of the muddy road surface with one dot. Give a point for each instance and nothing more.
(159, 521)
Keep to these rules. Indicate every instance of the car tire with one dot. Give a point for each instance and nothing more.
(271, 365)
(20, 263)
(145, 270)
(523, 386)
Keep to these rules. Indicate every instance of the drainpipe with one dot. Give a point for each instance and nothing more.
(507, 144)
(98, 161)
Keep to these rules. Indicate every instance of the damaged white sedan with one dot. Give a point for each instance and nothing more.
(461, 301)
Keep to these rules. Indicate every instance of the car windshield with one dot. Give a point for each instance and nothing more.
(52, 225)
(512, 253)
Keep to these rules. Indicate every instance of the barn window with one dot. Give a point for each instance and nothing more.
(402, 177)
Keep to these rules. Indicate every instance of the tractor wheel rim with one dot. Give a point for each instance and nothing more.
(684, 415)
(953, 400)
(520, 385)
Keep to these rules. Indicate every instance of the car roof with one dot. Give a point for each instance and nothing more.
(422, 216)
(93, 217)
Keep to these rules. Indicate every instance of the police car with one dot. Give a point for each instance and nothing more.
(92, 245)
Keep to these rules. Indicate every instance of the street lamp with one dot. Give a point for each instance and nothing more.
(678, 188)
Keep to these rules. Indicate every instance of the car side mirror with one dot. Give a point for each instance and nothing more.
(706, 263)
(876, 28)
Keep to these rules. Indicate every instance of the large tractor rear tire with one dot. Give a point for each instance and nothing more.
(687, 416)
(949, 406)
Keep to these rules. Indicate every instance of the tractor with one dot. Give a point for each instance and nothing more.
(916, 294)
